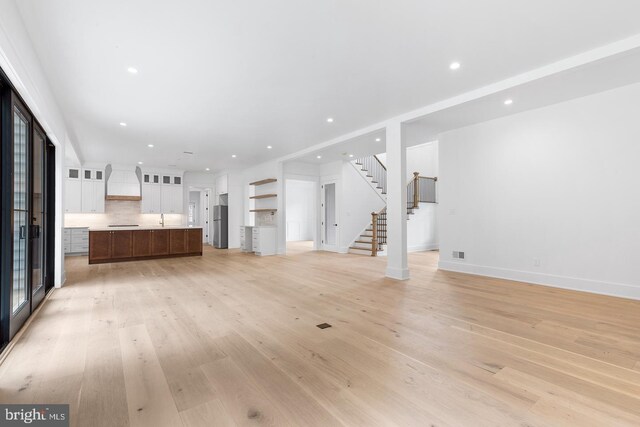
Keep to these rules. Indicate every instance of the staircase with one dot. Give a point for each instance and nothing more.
(373, 240)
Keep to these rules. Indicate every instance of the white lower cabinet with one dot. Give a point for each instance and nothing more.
(76, 240)
(264, 240)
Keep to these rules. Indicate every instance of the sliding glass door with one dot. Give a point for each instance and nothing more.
(27, 214)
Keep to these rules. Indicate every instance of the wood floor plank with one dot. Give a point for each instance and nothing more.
(103, 397)
(149, 400)
(245, 403)
(211, 413)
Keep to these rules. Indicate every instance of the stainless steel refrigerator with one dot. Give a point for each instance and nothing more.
(220, 227)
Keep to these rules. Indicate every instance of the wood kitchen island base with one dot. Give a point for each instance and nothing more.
(134, 244)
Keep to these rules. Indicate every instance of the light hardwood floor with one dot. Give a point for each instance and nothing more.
(231, 339)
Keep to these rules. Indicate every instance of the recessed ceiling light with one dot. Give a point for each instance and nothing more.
(150, 145)
(207, 169)
(132, 70)
(139, 163)
(318, 157)
(123, 124)
(378, 140)
(233, 155)
(269, 147)
(330, 120)
(454, 66)
(508, 102)
(350, 155)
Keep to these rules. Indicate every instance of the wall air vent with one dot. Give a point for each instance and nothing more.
(188, 152)
(458, 255)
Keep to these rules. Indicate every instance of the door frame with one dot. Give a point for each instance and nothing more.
(323, 245)
(205, 212)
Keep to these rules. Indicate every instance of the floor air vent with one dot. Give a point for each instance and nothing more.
(323, 325)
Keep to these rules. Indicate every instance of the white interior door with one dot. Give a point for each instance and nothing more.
(329, 224)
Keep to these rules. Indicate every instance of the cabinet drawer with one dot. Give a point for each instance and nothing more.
(67, 248)
(80, 248)
(79, 239)
(80, 232)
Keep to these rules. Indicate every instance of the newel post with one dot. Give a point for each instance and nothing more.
(374, 237)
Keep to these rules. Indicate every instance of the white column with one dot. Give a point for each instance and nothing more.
(397, 266)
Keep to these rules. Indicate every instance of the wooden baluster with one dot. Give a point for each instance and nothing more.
(374, 237)
(416, 190)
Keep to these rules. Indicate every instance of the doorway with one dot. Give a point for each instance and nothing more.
(198, 209)
(329, 210)
(301, 215)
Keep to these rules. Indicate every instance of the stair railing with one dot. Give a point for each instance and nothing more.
(379, 231)
(374, 170)
(427, 189)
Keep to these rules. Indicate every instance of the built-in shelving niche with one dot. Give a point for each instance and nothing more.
(264, 201)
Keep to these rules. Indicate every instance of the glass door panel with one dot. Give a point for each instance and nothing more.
(37, 218)
(20, 295)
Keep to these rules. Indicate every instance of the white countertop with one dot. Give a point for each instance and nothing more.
(144, 227)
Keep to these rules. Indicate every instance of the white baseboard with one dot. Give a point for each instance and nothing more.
(423, 247)
(397, 273)
(564, 282)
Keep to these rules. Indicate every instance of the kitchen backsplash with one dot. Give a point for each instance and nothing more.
(265, 219)
(120, 212)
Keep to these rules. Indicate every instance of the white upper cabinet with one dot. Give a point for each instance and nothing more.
(151, 198)
(92, 191)
(161, 193)
(72, 195)
(222, 184)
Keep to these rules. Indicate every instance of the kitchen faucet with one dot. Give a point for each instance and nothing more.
(162, 219)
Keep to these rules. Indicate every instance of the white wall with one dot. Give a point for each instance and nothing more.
(300, 209)
(19, 61)
(558, 185)
(422, 158)
(422, 230)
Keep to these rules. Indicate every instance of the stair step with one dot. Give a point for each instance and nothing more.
(364, 242)
(359, 251)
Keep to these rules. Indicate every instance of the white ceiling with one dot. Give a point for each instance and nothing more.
(230, 77)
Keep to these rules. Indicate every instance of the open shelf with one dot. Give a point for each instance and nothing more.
(264, 181)
(263, 210)
(264, 196)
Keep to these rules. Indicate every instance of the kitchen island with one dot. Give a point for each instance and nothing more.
(118, 244)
